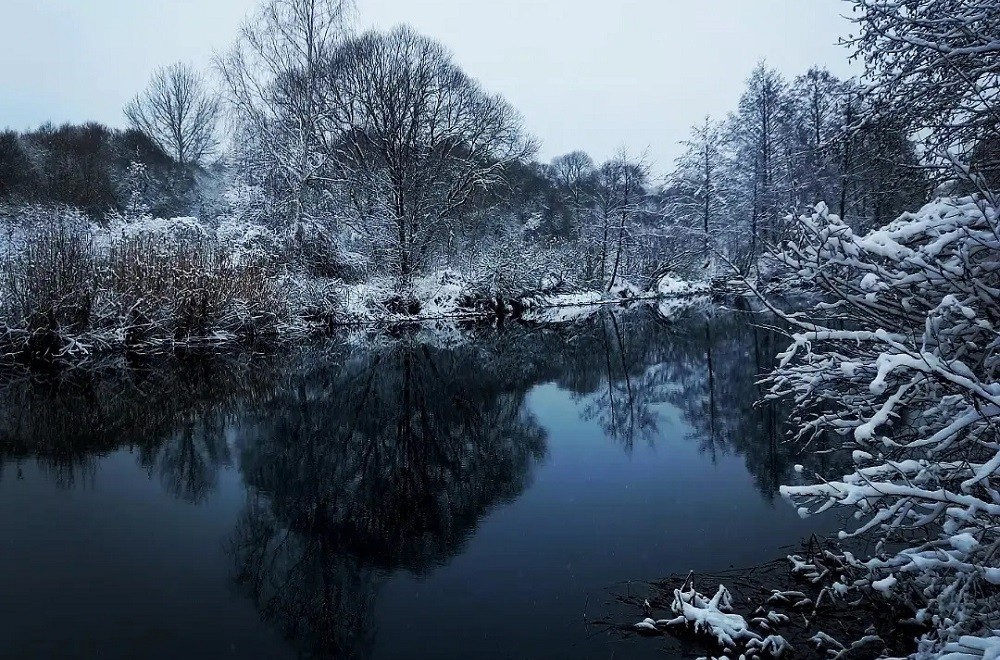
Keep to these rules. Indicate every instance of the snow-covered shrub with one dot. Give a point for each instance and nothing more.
(47, 270)
(166, 230)
(248, 204)
(670, 285)
(313, 299)
(323, 253)
(625, 290)
(507, 265)
(442, 292)
(249, 243)
(67, 285)
(184, 287)
(902, 361)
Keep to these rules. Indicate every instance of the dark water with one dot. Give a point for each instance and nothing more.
(408, 497)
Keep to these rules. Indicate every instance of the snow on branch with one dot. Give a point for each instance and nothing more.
(901, 362)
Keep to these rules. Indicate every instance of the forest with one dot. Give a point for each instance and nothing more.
(317, 176)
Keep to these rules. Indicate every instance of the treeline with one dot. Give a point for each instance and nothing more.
(98, 170)
(789, 145)
(374, 154)
(336, 164)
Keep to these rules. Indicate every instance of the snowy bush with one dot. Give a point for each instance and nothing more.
(47, 270)
(669, 285)
(323, 253)
(67, 285)
(249, 243)
(901, 361)
(176, 289)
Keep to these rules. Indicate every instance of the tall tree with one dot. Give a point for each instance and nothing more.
(273, 77)
(177, 111)
(696, 187)
(409, 127)
(759, 133)
(816, 96)
(619, 195)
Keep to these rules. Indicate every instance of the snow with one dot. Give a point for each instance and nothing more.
(440, 293)
(625, 289)
(869, 282)
(668, 285)
(884, 585)
(917, 402)
(714, 619)
(965, 543)
(972, 648)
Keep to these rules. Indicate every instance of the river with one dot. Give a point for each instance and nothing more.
(437, 493)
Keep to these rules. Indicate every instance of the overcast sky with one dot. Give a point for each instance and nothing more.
(586, 74)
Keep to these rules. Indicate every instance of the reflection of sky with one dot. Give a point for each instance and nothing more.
(115, 565)
(594, 517)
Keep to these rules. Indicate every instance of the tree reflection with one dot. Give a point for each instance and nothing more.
(390, 464)
(170, 411)
(360, 461)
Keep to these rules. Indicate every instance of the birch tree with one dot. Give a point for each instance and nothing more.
(273, 76)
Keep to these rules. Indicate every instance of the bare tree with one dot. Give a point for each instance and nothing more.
(417, 133)
(574, 173)
(697, 186)
(619, 193)
(272, 76)
(178, 113)
(935, 67)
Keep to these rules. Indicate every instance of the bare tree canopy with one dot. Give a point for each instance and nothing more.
(935, 66)
(417, 132)
(178, 113)
(272, 77)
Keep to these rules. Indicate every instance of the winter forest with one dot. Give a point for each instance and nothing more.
(318, 178)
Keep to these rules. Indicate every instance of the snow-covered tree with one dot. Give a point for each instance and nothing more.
(816, 96)
(698, 190)
(618, 201)
(273, 77)
(902, 363)
(409, 127)
(760, 139)
(935, 65)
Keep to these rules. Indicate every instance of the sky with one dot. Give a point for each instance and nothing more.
(597, 75)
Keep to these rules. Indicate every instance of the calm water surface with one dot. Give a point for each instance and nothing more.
(407, 497)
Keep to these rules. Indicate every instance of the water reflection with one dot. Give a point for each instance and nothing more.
(386, 464)
(361, 460)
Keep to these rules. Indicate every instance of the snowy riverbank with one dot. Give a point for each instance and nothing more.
(71, 288)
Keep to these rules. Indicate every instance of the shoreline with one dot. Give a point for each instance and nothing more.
(52, 348)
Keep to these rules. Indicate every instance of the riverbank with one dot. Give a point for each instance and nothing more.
(71, 289)
(192, 314)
